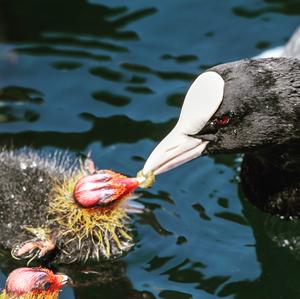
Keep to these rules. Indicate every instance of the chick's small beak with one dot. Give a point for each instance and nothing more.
(64, 279)
(175, 149)
(129, 183)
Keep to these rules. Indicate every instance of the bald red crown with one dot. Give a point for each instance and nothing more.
(102, 188)
(25, 280)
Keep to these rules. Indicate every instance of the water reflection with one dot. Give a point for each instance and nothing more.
(232, 217)
(82, 41)
(278, 260)
(17, 114)
(12, 104)
(49, 51)
(135, 131)
(201, 210)
(175, 99)
(66, 65)
(85, 19)
(106, 73)
(180, 58)
(151, 220)
(139, 89)
(110, 98)
(13, 94)
(289, 7)
(170, 294)
(137, 80)
(165, 75)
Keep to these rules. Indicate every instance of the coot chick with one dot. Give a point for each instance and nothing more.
(57, 207)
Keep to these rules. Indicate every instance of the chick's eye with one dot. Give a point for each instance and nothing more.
(223, 120)
(47, 285)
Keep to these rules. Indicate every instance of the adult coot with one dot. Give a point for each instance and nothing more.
(249, 106)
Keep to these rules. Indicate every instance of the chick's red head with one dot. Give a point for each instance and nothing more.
(102, 188)
(34, 280)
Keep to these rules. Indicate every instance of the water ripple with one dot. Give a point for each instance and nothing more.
(165, 75)
(136, 130)
(289, 7)
(49, 51)
(110, 98)
(13, 94)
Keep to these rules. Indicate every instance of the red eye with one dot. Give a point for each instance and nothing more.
(223, 120)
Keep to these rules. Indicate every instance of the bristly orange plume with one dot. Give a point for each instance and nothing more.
(103, 228)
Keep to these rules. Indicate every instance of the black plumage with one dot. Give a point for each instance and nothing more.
(263, 99)
(26, 182)
(38, 210)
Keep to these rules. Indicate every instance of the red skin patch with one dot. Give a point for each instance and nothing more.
(103, 188)
(37, 280)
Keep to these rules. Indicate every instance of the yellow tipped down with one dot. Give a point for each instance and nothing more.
(41, 233)
(31, 295)
(87, 232)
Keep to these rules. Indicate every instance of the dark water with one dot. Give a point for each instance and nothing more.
(108, 77)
